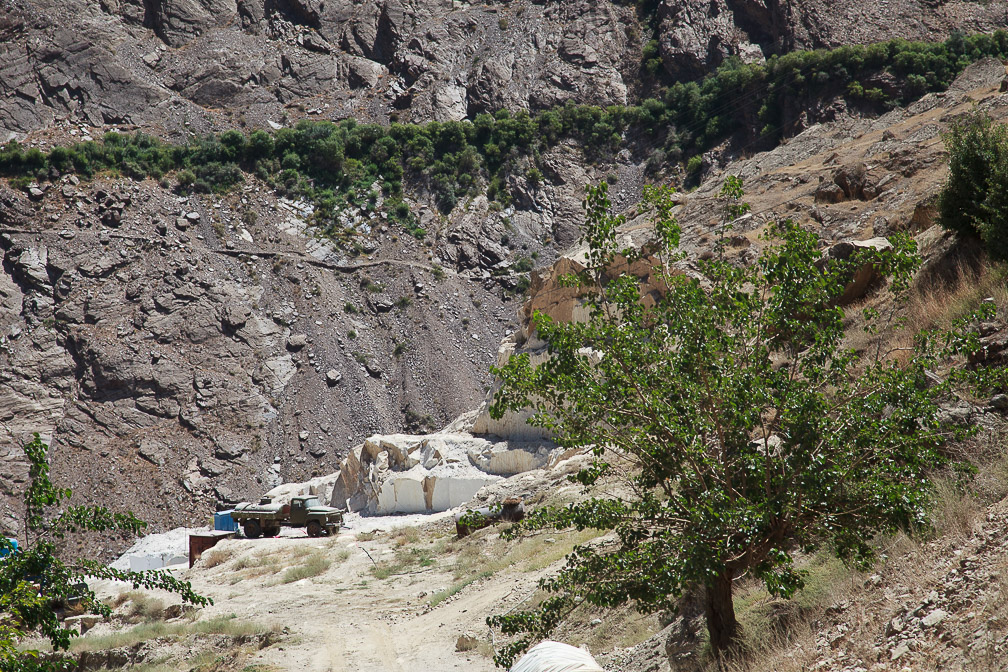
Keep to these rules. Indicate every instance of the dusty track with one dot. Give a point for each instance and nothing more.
(345, 618)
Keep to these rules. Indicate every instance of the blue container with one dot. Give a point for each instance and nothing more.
(222, 520)
(4, 549)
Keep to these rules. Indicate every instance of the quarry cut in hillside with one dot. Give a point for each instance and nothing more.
(196, 350)
(183, 352)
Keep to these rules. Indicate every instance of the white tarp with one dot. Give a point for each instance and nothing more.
(145, 563)
(556, 657)
(156, 551)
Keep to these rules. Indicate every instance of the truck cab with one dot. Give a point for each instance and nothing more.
(301, 508)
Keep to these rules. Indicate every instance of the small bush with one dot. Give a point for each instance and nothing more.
(401, 536)
(144, 608)
(523, 264)
(185, 179)
(314, 565)
(655, 161)
(534, 176)
(694, 164)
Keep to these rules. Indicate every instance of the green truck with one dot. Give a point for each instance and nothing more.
(266, 518)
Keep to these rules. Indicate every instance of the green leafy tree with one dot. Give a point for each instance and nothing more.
(730, 415)
(732, 208)
(974, 200)
(36, 582)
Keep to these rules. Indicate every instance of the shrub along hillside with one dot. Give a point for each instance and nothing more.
(334, 164)
(974, 200)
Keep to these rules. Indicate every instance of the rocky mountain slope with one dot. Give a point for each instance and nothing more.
(194, 65)
(184, 351)
(174, 368)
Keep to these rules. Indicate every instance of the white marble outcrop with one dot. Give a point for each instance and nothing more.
(406, 473)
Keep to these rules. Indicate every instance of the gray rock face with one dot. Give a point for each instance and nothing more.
(175, 21)
(161, 368)
(696, 37)
(174, 62)
(69, 68)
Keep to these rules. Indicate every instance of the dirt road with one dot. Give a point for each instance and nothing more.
(346, 618)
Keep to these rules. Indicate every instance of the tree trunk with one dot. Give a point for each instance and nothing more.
(720, 612)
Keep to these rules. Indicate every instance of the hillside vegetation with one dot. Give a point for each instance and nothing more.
(336, 164)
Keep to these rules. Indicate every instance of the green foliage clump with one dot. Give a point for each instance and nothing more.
(694, 164)
(523, 264)
(339, 165)
(730, 462)
(650, 58)
(36, 583)
(974, 200)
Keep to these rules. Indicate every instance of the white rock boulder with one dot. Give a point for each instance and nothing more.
(406, 473)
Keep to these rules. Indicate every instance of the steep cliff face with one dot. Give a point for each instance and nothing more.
(193, 65)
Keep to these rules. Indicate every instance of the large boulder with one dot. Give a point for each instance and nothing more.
(865, 276)
(849, 182)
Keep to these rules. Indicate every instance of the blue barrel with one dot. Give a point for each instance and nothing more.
(5, 549)
(222, 520)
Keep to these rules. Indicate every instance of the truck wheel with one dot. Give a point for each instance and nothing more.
(314, 529)
(271, 531)
(252, 529)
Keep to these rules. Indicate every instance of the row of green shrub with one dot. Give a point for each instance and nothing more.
(334, 164)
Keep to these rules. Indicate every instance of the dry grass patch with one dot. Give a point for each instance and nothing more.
(937, 304)
(256, 565)
(621, 627)
(229, 626)
(484, 553)
(941, 304)
(412, 551)
(311, 564)
(956, 509)
(217, 556)
(140, 607)
(402, 536)
(405, 560)
(780, 635)
(292, 564)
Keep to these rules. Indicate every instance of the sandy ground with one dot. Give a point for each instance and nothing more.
(346, 618)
